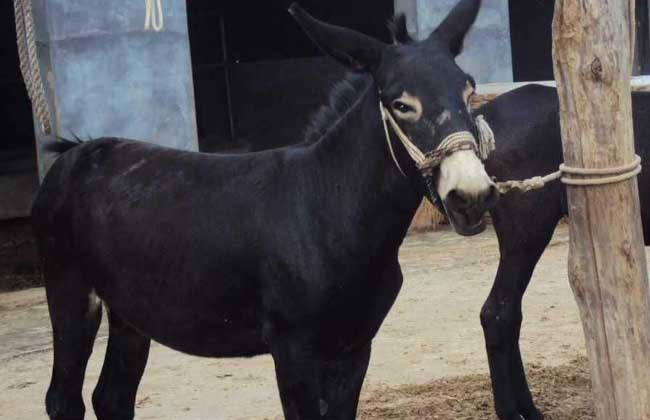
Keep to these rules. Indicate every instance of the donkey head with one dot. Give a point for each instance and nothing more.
(425, 97)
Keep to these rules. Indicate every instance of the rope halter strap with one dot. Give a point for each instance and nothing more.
(428, 162)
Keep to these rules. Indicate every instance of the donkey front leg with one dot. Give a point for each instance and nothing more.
(522, 240)
(316, 387)
(298, 370)
(501, 319)
(341, 384)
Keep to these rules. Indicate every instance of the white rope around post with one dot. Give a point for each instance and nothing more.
(601, 176)
(566, 174)
(154, 17)
(593, 177)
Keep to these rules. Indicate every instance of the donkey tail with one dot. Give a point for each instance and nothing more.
(61, 145)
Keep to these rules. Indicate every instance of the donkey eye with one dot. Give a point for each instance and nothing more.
(402, 107)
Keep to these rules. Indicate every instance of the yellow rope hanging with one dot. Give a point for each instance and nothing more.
(29, 64)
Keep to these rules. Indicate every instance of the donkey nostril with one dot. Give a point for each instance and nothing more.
(459, 198)
(484, 200)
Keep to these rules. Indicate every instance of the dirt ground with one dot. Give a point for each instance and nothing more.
(428, 360)
(19, 262)
(562, 393)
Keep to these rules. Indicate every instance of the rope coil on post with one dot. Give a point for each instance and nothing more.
(29, 64)
(154, 16)
(594, 176)
(602, 176)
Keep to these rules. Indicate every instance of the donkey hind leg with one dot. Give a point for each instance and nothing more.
(75, 313)
(313, 387)
(124, 363)
(501, 319)
(341, 385)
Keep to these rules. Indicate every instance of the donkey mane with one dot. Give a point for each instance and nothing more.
(343, 95)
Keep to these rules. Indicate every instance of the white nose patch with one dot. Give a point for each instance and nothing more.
(463, 171)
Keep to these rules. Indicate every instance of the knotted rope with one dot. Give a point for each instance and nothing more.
(595, 176)
(154, 16)
(461, 140)
(29, 65)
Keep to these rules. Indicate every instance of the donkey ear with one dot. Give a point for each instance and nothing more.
(453, 29)
(355, 50)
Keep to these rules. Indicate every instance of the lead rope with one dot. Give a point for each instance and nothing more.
(598, 176)
(595, 176)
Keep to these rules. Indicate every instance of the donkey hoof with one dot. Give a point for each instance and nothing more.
(535, 415)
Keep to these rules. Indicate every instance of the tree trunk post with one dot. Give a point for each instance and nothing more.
(592, 57)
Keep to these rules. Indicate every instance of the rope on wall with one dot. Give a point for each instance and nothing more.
(29, 65)
(154, 17)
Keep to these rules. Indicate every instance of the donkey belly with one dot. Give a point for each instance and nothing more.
(217, 318)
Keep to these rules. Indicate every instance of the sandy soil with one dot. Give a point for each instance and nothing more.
(433, 333)
(562, 393)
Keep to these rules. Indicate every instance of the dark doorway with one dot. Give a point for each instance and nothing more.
(532, 36)
(256, 75)
(642, 57)
(18, 129)
(18, 176)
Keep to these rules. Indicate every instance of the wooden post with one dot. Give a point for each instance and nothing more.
(592, 45)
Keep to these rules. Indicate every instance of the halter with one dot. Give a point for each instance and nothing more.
(428, 162)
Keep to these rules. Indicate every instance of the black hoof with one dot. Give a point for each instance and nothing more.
(535, 415)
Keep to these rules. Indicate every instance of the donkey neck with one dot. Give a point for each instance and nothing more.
(360, 183)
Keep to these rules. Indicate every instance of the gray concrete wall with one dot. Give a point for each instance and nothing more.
(487, 54)
(104, 75)
(112, 78)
